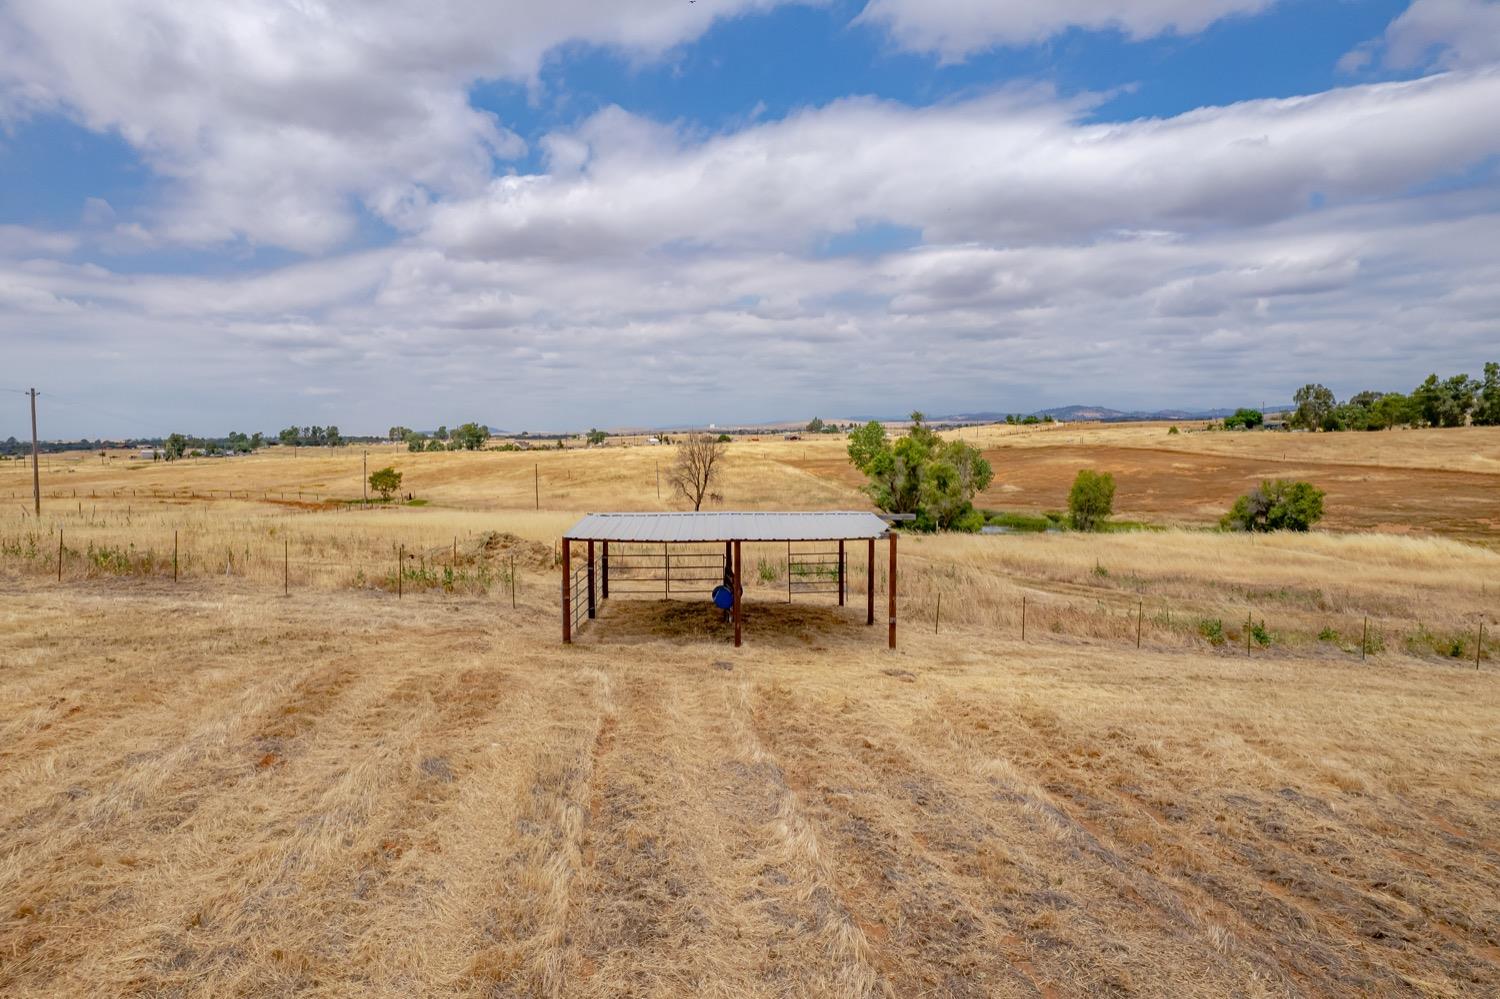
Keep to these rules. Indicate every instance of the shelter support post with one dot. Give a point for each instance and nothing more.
(593, 607)
(870, 585)
(892, 639)
(841, 573)
(738, 599)
(567, 590)
(604, 572)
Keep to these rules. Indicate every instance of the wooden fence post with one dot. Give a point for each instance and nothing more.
(1023, 617)
(59, 554)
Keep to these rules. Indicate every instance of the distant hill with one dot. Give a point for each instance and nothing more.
(1099, 414)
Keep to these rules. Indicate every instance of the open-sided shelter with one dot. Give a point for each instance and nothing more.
(584, 587)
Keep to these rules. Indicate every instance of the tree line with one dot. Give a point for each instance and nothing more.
(1437, 402)
(468, 437)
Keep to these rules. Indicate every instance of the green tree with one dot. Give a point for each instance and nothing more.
(1487, 407)
(815, 425)
(397, 433)
(1249, 419)
(952, 477)
(385, 481)
(442, 433)
(174, 446)
(291, 436)
(257, 441)
(921, 474)
(1314, 405)
(332, 437)
(1091, 500)
(1279, 505)
(894, 469)
(596, 437)
(1393, 410)
(433, 444)
(471, 436)
(415, 441)
(1457, 397)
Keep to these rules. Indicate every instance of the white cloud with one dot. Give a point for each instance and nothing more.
(1445, 33)
(956, 28)
(269, 115)
(1011, 168)
(651, 274)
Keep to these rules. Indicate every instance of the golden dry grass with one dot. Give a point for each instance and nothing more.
(208, 788)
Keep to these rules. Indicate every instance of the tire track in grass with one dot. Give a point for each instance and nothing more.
(214, 845)
(526, 927)
(798, 887)
(932, 936)
(1284, 867)
(132, 710)
(647, 916)
(195, 764)
(324, 827)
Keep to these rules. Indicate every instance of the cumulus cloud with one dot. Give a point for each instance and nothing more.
(1014, 167)
(956, 28)
(679, 276)
(1445, 33)
(269, 116)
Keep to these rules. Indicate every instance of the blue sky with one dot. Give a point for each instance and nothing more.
(659, 213)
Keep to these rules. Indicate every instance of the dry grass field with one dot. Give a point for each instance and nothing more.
(209, 788)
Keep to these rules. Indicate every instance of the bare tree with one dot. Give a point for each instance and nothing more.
(697, 467)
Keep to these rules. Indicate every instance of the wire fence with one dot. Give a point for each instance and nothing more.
(82, 541)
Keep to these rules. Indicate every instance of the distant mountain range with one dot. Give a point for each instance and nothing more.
(1099, 414)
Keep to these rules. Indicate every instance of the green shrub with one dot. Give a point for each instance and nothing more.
(1212, 629)
(1279, 505)
(1328, 635)
(1020, 521)
(768, 572)
(385, 481)
(1091, 500)
(1172, 430)
(1259, 634)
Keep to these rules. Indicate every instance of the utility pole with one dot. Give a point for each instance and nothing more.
(36, 474)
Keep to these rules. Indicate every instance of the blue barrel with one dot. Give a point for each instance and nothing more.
(723, 597)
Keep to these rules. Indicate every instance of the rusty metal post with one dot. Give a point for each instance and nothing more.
(567, 590)
(892, 638)
(604, 572)
(870, 585)
(59, 554)
(592, 606)
(841, 573)
(739, 614)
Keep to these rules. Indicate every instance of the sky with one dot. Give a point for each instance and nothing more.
(257, 213)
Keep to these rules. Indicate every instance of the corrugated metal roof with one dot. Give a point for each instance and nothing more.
(738, 526)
